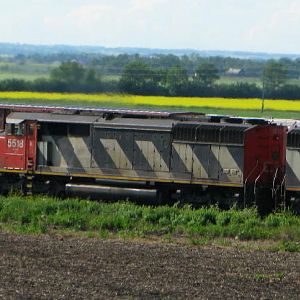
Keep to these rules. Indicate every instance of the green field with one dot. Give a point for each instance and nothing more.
(32, 71)
(126, 220)
(236, 79)
(26, 71)
(255, 80)
(24, 76)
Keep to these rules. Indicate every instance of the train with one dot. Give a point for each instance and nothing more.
(162, 156)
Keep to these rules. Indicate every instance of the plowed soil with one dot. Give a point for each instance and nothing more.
(54, 267)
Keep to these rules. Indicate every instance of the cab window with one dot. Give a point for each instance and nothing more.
(15, 129)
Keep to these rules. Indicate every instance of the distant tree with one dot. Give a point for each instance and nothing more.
(92, 81)
(70, 72)
(138, 78)
(238, 90)
(165, 61)
(91, 76)
(274, 76)
(206, 74)
(15, 85)
(177, 81)
(46, 85)
(73, 77)
(289, 91)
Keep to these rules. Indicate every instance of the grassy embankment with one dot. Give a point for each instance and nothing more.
(40, 214)
(239, 107)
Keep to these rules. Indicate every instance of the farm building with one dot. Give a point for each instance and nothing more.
(235, 72)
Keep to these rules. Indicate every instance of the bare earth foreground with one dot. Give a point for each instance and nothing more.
(53, 267)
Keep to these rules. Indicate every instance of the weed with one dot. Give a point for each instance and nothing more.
(40, 214)
(269, 277)
(290, 246)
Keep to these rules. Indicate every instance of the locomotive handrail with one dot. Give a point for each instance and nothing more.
(273, 186)
(245, 185)
(257, 178)
(274, 190)
(282, 190)
(220, 134)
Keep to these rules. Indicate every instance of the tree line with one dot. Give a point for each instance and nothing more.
(114, 64)
(139, 78)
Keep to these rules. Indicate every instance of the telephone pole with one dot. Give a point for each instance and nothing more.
(263, 95)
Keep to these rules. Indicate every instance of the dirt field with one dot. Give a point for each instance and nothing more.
(52, 267)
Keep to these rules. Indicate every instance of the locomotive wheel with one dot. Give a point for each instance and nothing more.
(57, 189)
(295, 206)
(264, 201)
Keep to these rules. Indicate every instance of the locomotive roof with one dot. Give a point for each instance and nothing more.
(215, 124)
(92, 110)
(17, 117)
(119, 121)
(159, 124)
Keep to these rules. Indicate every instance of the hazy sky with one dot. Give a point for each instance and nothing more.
(250, 25)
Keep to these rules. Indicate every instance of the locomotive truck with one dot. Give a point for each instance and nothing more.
(161, 156)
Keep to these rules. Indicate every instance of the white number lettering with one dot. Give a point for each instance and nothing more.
(13, 143)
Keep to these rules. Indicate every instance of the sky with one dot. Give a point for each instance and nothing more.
(271, 26)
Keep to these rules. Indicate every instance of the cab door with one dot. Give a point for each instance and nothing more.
(20, 146)
(31, 145)
(15, 147)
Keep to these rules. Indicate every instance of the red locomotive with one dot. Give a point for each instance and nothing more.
(159, 155)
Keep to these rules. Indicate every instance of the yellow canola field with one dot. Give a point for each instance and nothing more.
(186, 102)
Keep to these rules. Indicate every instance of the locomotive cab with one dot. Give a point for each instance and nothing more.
(18, 145)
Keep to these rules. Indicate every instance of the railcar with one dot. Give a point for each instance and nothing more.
(133, 154)
(293, 168)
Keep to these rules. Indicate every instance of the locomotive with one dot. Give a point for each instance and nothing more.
(162, 156)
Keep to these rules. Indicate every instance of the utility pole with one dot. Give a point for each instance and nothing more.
(263, 95)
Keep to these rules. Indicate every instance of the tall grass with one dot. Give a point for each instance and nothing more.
(42, 214)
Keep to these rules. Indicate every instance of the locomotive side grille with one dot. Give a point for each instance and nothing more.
(293, 139)
(64, 129)
(185, 132)
(208, 133)
(232, 135)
